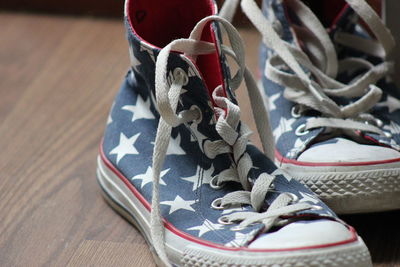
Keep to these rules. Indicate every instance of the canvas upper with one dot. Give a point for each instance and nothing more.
(291, 141)
(186, 193)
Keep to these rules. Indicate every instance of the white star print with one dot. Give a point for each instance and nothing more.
(170, 78)
(282, 172)
(212, 120)
(179, 204)
(299, 146)
(141, 110)
(207, 226)
(391, 102)
(149, 51)
(125, 147)
(271, 101)
(174, 146)
(393, 128)
(327, 213)
(308, 197)
(198, 136)
(393, 144)
(134, 61)
(285, 125)
(241, 239)
(200, 177)
(192, 72)
(109, 119)
(148, 177)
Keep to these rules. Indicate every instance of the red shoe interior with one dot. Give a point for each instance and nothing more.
(329, 10)
(326, 10)
(159, 22)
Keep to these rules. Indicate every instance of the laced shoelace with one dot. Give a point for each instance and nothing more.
(234, 137)
(312, 80)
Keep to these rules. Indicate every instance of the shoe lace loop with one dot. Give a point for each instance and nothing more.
(309, 79)
(234, 135)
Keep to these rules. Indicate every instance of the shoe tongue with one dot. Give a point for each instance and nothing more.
(223, 63)
(214, 67)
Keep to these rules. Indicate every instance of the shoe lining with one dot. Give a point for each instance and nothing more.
(159, 22)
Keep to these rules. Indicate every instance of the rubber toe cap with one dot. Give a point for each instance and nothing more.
(303, 234)
(339, 150)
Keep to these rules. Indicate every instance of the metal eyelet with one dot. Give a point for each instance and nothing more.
(272, 186)
(200, 117)
(224, 220)
(295, 112)
(316, 207)
(214, 183)
(180, 74)
(388, 135)
(294, 197)
(217, 204)
(378, 123)
(301, 130)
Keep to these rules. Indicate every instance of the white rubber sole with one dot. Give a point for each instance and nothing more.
(352, 189)
(185, 252)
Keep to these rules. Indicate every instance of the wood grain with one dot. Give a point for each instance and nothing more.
(58, 77)
(102, 8)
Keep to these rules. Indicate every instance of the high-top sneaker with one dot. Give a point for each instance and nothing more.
(334, 112)
(176, 162)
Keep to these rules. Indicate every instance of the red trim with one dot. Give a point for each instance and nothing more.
(338, 17)
(191, 238)
(317, 164)
(374, 140)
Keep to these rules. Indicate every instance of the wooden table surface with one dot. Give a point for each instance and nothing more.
(58, 77)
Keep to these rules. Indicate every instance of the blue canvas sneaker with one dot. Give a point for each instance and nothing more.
(334, 112)
(176, 161)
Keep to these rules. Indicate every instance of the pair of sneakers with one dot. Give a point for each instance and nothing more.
(176, 160)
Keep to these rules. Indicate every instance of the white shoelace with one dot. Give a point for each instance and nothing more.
(233, 140)
(322, 64)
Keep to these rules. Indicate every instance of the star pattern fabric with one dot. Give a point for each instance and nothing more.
(125, 146)
(179, 204)
(147, 177)
(271, 102)
(134, 60)
(206, 227)
(200, 177)
(391, 103)
(141, 110)
(283, 124)
(197, 136)
(185, 193)
(174, 146)
(308, 198)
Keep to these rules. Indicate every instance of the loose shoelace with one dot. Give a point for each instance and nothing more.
(323, 66)
(233, 140)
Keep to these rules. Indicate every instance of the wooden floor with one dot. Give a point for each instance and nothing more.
(58, 77)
